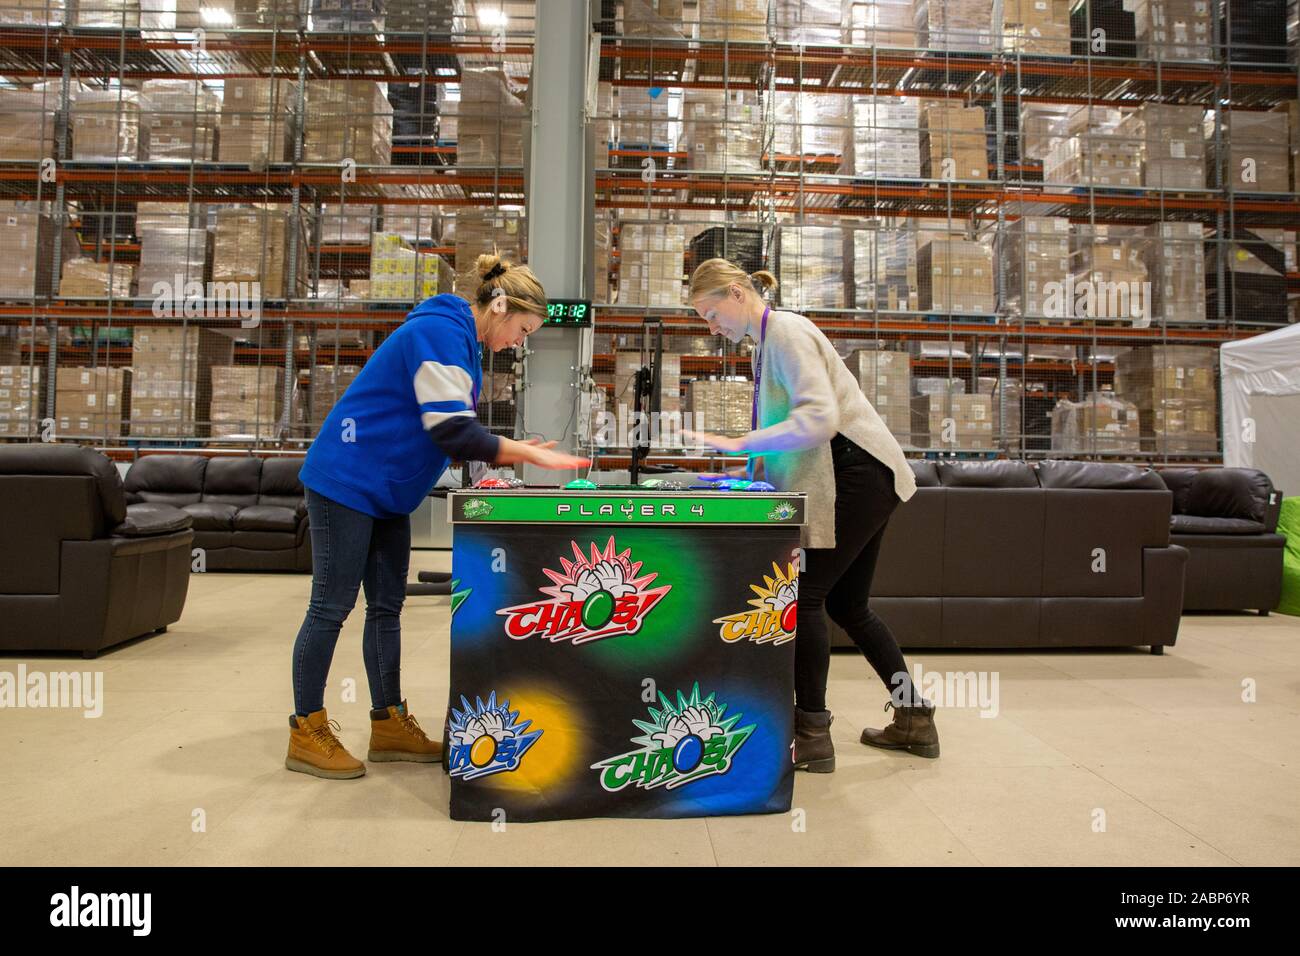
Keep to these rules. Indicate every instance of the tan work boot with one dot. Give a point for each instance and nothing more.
(813, 750)
(913, 730)
(314, 749)
(394, 735)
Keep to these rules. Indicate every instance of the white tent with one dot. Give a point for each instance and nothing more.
(1261, 405)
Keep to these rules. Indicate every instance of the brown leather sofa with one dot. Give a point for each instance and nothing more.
(79, 570)
(1005, 554)
(249, 513)
(1226, 518)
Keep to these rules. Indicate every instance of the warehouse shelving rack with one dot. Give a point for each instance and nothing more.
(803, 193)
(97, 198)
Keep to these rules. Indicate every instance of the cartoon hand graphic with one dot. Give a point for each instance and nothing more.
(699, 723)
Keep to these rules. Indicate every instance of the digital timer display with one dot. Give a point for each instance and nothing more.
(568, 312)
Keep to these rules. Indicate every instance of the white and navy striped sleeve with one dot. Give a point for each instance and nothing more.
(444, 390)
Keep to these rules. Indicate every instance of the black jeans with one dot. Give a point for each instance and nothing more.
(836, 581)
(350, 550)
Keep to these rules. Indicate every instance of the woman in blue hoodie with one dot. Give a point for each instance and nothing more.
(411, 410)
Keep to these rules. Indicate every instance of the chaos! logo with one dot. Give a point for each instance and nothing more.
(773, 612)
(487, 738)
(680, 743)
(599, 595)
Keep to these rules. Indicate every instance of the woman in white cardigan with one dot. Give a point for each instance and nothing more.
(815, 432)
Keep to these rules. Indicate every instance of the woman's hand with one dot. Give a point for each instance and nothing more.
(539, 453)
(720, 442)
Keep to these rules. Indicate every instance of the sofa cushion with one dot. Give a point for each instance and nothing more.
(927, 476)
(212, 516)
(1053, 473)
(1230, 493)
(1201, 524)
(281, 486)
(987, 474)
(1179, 481)
(150, 518)
(171, 479)
(233, 481)
(266, 518)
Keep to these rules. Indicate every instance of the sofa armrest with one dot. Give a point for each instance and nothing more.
(150, 518)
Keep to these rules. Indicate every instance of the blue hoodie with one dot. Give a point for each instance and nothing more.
(412, 408)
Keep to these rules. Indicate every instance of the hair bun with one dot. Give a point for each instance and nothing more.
(490, 267)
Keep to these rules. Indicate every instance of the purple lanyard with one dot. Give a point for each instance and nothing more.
(758, 370)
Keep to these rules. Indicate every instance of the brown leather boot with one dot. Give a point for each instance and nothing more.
(394, 735)
(314, 749)
(913, 730)
(813, 750)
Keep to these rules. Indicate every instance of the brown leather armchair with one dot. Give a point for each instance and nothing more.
(1226, 518)
(78, 571)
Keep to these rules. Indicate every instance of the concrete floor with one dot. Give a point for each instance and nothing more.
(1182, 770)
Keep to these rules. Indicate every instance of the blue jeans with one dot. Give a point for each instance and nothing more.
(351, 549)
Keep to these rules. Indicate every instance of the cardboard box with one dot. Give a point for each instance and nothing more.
(88, 279)
(171, 384)
(327, 385)
(1037, 26)
(490, 120)
(957, 25)
(21, 401)
(810, 124)
(953, 142)
(884, 139)
(1102, 423)
(1256, 151)
(1175, 260)
(347, 120)
(105, 125)
(257, 121)
(953, 422)
(810, 267)
(819, 22)
(1171, 141)
(884, 269)
(722, 130)
(91, 402)
(886, 380)
(178, 121)
(1175, 30)
(27, 124)
(251, 244)
(1035, 257)
(721, 406)
(246, 399)
(483, 232)
(28, 236)
(955, 275)
(881, 23)
(735, 20)
(651, 269)
(169, 252)
(398, 271)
